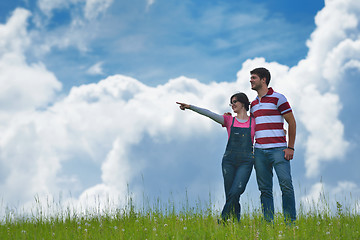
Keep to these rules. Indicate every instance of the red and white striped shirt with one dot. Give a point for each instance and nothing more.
(268, 113)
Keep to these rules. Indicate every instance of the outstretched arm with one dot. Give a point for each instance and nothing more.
(216, 117)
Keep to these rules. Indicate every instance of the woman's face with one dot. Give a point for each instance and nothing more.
(236, 105)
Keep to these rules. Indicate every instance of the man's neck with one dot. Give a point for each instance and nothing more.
(262, 92)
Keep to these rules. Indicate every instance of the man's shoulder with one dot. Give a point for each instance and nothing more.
(277, 95)
(254, 102)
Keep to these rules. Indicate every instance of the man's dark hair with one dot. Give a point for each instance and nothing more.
(262, 73)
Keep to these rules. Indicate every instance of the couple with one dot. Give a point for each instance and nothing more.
(271, 151)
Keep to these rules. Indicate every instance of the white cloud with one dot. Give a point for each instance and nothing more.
(95, 7)
(99, 122)
(24, 85)
(316, 194)
(91, 8)
(344, 57)
(96, 69)
(324, 197)
(47, 6)
(149, 3)
(333, 50)
(81, 29)
(102, 121)
(13, 35)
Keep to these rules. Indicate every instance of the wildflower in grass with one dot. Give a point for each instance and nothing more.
(23, 231)
(318, 223)
(165, 225)
(327, 233)
(123, 230)
(154, 229)
(185, 228)
(115, 227)
(85, 230)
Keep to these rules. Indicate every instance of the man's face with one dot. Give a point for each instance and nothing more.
(255, 82)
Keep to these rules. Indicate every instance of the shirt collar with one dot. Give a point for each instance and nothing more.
(269, 92)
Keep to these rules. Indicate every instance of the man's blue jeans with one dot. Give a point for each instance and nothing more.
(265, 161)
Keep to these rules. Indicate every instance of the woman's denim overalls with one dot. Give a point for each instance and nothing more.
(237, 164)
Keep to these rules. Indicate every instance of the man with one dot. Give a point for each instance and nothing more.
(271, 149)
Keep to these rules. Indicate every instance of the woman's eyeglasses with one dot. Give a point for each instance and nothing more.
(233, 102)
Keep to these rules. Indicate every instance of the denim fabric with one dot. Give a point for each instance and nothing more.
(237, 164)
(265, 161)
(236, 168)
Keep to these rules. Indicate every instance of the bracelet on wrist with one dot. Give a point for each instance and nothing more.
(291, 148)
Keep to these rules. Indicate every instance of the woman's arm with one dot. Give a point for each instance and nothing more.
(216, 117)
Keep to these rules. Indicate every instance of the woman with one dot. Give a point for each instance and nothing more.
(238, 159)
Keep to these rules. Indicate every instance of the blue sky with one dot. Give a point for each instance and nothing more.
(218, 37)
(89, 91)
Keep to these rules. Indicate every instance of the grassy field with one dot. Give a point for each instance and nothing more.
(169, 223)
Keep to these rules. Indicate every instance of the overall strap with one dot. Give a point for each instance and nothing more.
(232, 124)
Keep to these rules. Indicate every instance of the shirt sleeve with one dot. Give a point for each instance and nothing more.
(283, 105)
(216, 117)
(227, 121)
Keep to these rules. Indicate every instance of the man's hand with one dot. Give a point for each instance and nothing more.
(289, 153)
(228, 114)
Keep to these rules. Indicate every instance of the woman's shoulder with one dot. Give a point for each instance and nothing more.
(227, 119)
(228, 116)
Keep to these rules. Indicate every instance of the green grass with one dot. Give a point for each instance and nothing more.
(168, 223)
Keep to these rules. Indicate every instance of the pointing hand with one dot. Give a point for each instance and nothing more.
(183, 106)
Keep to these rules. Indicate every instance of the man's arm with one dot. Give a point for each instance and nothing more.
(290, 119)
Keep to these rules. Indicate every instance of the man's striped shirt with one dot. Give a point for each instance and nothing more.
(268, 113)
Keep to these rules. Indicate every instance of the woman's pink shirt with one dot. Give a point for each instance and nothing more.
(228, 121)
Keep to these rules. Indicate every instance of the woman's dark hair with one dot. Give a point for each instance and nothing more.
(241, 97)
